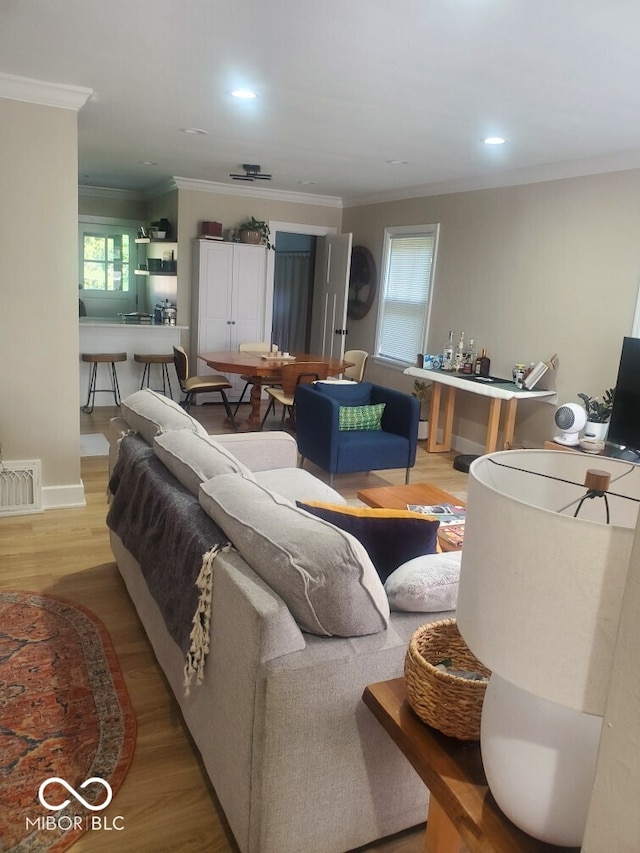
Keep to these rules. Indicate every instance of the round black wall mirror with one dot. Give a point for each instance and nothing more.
(363, 283)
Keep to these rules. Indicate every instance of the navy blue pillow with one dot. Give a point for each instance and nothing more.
(391, 537)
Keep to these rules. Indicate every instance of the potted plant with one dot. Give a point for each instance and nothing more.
(422, 392)
(257, 232)
(598, 414)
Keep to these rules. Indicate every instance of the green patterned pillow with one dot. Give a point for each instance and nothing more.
(361, 417)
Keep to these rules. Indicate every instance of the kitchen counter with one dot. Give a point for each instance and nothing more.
(112, 334)
(117, 323)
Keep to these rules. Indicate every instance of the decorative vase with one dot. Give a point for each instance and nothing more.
(253, 237)
(423, 430)
(596, 431)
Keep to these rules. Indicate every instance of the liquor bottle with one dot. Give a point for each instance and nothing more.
(482, 364)
(469, 358)
(459, 357)
(447, 354)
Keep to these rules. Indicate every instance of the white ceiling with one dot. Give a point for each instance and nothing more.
(343, 87)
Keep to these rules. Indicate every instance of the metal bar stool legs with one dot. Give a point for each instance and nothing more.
(155, 358)
(94, 359)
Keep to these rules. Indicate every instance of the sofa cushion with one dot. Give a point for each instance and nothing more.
(390, 536)
(361, 417)
(297, 484)
(428, 584)
(323, 574)
(193, 458)
(149, 414)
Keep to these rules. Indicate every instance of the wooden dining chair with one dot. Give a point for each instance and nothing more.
(292, 375)
(193, 385)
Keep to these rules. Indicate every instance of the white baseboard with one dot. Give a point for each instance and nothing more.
(465, 446)
(61, 497)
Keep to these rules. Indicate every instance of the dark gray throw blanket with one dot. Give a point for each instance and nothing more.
(164, 527)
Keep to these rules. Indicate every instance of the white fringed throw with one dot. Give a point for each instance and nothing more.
(199, 646)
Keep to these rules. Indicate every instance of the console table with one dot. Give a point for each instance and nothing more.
(497, 392)
(463, 816)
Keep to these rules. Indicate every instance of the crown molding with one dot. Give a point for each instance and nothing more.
(45, 94)
(256, 192)
(110, 192)
(563, 170)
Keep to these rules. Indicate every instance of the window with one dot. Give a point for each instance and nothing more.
(408, 266)
(105, 262)
(107, 259)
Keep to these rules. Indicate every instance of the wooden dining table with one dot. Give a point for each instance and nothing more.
(263, 369)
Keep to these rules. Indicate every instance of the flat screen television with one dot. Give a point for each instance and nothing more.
(624, 426)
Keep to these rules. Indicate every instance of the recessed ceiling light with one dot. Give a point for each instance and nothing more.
(398, 162)
(494, 140)
(149, 163)
(243, 94)
(306, 182)
(194, 131)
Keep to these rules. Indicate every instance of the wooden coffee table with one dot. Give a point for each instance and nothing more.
(463, 817)
(397, 497)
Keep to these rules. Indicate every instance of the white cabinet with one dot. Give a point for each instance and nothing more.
(228, 299)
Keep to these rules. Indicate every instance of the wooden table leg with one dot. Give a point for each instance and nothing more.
(433, 446)
(441, 835)
(492, 426)
(510, 423)
(253, 421)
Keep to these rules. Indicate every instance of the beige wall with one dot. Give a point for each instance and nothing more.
(231, 210)
(113, 207)
(39, 415)
(527, 271)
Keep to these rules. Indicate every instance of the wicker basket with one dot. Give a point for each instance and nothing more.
(451, 704)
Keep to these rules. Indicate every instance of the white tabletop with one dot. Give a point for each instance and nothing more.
(503, 391)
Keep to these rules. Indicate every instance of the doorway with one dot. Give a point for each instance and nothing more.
(293, 276)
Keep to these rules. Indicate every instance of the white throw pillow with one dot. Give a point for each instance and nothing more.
(426, 584)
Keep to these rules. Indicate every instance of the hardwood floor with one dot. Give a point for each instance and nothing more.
(167, 801)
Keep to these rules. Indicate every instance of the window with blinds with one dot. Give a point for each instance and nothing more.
(408, 267)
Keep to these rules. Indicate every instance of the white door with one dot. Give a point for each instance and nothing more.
(215, 276)
(330, 295)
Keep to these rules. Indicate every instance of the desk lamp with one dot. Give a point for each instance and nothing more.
(544, 568)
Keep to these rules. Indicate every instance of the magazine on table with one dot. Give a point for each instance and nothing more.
(446, 514)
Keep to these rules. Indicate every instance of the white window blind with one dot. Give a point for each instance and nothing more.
(408, 267)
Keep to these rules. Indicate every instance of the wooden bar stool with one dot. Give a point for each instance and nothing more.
(155, 358)
(94, 359)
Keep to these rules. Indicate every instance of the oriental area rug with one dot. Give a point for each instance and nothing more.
(67, 728)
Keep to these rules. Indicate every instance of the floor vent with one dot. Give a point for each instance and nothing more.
(20, 489)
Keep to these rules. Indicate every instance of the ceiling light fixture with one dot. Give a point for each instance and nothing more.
(149, 163)
(194, 131)
(398, 162)
(243, 94)
(251, 173)
(494, 140)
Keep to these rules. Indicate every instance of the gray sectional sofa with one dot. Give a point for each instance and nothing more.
(268, 623)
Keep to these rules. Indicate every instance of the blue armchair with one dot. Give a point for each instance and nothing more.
(341, 451)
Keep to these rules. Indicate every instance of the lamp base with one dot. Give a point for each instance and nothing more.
(540, 761)
(569, 438)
